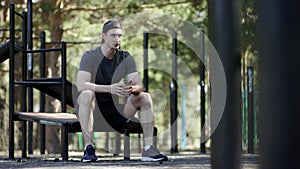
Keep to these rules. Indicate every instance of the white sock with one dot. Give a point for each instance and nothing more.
(147, 147)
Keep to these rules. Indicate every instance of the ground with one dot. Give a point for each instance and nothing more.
(177, 160)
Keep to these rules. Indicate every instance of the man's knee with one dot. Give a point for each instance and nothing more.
(146, 99)
(86, 97)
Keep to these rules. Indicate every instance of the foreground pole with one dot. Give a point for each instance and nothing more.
(280, 83)
(224, 33)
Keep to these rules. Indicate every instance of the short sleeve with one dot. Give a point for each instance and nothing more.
(87, 63)
(130, 64)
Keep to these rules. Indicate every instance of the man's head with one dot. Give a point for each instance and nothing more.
(112, 33)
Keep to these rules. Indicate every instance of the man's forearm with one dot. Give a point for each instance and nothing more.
(94, 87)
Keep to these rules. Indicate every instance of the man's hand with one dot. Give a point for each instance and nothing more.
(120, 89)
(135, 90)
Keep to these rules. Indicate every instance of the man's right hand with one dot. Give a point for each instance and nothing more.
(120, 89)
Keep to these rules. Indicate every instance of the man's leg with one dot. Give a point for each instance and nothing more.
(85, 115)
(86, 119)
(142, 103)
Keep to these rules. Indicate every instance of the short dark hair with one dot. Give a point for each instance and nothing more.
(111, 24)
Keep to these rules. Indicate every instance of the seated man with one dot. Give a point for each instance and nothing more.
(99, 77)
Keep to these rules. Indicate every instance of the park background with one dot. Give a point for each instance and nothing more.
(80, 23)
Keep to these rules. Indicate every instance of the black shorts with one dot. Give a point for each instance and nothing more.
(114, 116)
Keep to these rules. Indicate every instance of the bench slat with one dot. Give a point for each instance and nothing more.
(48, 118)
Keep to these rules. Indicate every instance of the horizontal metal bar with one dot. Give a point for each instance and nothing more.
(42, 50)
(35, 83)
(4, 29)
(82, 42)
(20, 15)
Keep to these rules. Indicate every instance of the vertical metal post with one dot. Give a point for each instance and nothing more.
(183, 123)
(64, 128)
(146, 75)
(173, 90)
(118, 143)
(64, 142)
(146, 85)
(107, 142)
(202, 89)
(30, 74)
(250, 109)
(24, 88)
(127, 144)
(279, 82)
(11, 80)
(64, 76)
(42, 95)
(224, 25)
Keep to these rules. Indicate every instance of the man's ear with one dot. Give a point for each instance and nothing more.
(103, 36)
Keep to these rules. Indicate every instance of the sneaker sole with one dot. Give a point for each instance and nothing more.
(151, 159)
(86, 161)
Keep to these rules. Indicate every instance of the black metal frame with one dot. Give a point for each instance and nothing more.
(26, 83)
(174, 86)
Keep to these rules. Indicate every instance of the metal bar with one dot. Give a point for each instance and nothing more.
(202, 89)
(24, 89)
(279, 83)
(11, 80)
(64, 142)
(44, 50)
(16, 30)
(174, 86)
(107, 142)
(250, 110)
(20, 15)
(42, 95)
(127, 144)
(155, 137)
(146, 78)
(64, 76)
(64, 135)
(139, 143)
(118, 143)
(30, 74)
(224, 34)
(37, 83)
(74, 43)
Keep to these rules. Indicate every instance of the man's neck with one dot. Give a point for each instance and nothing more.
(108, 52)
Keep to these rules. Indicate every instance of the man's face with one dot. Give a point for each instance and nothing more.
(112, 38)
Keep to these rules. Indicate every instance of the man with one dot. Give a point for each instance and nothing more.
(99, 77)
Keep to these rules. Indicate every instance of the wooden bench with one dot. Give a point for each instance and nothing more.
(70, 124)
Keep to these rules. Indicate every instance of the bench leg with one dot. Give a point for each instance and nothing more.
(64, 143)
(24, 139)
(127, 144)
(42, 138)
(118, 144)
(155, 137)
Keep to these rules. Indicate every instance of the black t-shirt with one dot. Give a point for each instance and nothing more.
(106, 71)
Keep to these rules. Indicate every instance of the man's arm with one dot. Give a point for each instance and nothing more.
(84, 83)
(136, 83)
